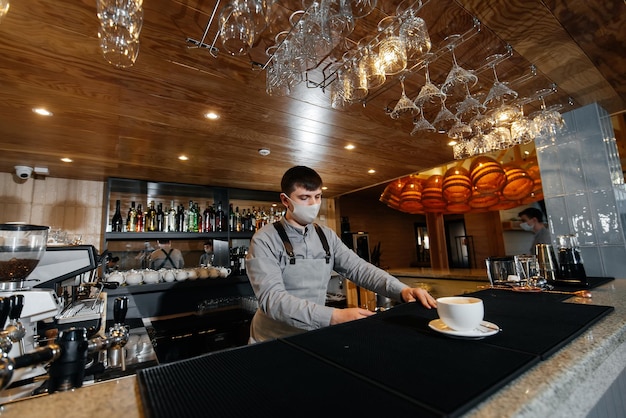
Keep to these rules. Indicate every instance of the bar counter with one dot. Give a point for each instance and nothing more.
(567, 383)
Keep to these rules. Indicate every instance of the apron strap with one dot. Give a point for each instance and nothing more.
(320, 233)
(167, 257)
(288, 247)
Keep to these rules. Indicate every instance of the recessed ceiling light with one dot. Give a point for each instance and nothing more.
(66, 160)
(41, 111)
(349, 146)
(264, 151)
(371, 171)
(183, 157)
(452, 143)
(324, 188)
(211, 115)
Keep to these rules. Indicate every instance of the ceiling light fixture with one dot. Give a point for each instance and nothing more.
(349, 146)
(264, 152)
(183, 157)
(66, 160)
(41, 111)
(324, 188)
(371, 171)
(211, 115)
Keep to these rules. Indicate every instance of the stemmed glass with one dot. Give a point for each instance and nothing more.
(120, 25)
(404, 105)
(469, 107)
(500, 92)
(361, 8)
(445, 119)
(457, 75)
(547, 121)
(429, 93)
(420, 124)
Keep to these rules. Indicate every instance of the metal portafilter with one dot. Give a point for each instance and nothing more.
(68, 371)
(117, 353)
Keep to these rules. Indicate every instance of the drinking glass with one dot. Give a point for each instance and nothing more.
(118, 49)
(444, 119)
(457, 75)
(361, 8)
(370, 66)
(237, 29)
(413, 31)
(404, 105)
(469, 107)
(126, 14)
(391, 49)
(429, 93)
(500, 92)
(422, 125)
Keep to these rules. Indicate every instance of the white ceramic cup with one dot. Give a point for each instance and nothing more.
(461, 313)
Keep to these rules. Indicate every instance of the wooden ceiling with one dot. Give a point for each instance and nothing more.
(134, 123)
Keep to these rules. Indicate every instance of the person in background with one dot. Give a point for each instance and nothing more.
(289, 265)
(532, 221)
(166, 256)
(206, 259)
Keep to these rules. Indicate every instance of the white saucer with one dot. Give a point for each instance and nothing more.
(485, 329)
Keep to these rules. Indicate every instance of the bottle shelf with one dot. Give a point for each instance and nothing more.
(164, 235)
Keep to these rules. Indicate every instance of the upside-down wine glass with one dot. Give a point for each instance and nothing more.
(457, 75)
(500, 92)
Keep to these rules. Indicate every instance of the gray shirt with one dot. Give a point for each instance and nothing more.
(267, 259)
(541, 237)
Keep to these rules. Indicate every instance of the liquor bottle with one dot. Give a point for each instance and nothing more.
(150, 221)
(212, 217)
(237, 220)
(160, 216)
(220, 225)
(192, 222)
(253, 219)
(117, 222)
(171, 218)
(180, 219)
(131, 221)
(206, 219)
(231, 218)
(140, 219)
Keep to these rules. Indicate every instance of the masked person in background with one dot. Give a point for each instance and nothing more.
(206, 259)
(166, 256)
(532, 221)
(289, 265)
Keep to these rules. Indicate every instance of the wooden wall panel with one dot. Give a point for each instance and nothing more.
(486, 228)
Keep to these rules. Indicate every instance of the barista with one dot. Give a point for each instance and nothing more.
(206, 259)
(166, 256)
(532, 221)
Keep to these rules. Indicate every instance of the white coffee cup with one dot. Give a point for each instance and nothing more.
(461, 313)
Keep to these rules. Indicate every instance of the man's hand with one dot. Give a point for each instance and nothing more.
(412, 294)
(349, 314)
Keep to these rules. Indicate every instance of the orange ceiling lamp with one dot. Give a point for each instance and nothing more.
(487, 174)
(519, 184)
(411, 196)
(432, 194)
(457, 185)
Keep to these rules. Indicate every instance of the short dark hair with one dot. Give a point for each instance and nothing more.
(209, 242)
(163, 241)
(532, 213)
(300, 176)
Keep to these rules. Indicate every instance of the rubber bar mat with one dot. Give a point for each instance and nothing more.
(262, 380)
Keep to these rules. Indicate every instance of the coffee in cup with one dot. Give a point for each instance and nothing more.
(460, 313)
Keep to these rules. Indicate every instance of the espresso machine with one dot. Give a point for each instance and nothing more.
(31, 276)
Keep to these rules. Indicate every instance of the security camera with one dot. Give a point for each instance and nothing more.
(23, 171)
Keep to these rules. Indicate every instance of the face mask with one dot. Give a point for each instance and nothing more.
(304, 214)
(526, 226)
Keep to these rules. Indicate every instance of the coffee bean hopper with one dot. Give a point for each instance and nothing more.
(24, 305)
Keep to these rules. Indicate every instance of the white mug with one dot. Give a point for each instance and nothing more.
(461, 313)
